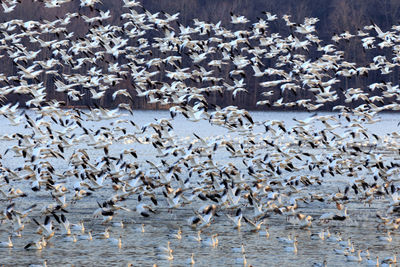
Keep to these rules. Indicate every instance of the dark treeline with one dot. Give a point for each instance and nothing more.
(336, 16)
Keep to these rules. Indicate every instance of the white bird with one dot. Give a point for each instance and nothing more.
(115, 241)
(39, 265)
(70, 238)
(123, 92)
(166, 249)
(264, 233)
(256, 226)
(6, 244)
(66, 225)
(165, 252)
(88, 237)
(238, 19)
(270, 17)
(131, 3)
(38, 245)
(47, 228)
(191, 260)
(196, 238)
(211, 241)
(365, 253)
(241, 249)
(177, 235)
(287, 240)
(237, 219)
(104, 235)
(8, 9)
(353, 258)
(291, 248)
(387, 238)
(168, 256)
(118, 224)
(390, 260)
(370, 262)
(97, 95)
(78, 227)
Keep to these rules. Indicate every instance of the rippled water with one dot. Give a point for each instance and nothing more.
(140, 248)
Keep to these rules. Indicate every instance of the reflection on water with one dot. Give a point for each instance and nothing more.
(142, 236)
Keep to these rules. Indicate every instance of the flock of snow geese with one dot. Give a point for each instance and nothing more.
(279, 174)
